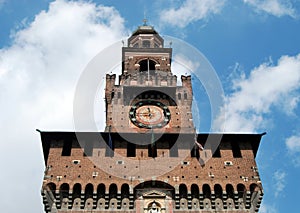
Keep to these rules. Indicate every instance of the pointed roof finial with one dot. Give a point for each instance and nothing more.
(145, 21)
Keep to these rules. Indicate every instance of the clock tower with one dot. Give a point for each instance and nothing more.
(147, 96)
(149, 158)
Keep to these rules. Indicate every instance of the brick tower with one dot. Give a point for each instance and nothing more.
(149, 158)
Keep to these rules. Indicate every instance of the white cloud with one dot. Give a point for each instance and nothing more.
(267, 86)
(266, 208)
(293, 145)
(38, 75)
(190, 11)
(183, 65)
(273, 7)
(279, 182)
(2, 2)
(195, 10)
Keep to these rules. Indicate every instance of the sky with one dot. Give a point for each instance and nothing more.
(253, 46)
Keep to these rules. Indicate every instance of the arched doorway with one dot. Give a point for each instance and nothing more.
(154, 197)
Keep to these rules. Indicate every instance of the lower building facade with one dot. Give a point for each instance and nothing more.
(107, 173)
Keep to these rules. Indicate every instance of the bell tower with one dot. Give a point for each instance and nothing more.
(146, 51)
(148, 95)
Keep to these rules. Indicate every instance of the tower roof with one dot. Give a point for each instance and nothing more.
(144, 29)
(145, 32)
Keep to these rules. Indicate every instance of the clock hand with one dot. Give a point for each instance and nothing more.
(149, 111)
(142, 113)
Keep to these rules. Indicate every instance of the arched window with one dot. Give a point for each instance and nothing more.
(125, 191)
(51, 187)
(195, 191)
(255, 191)
(241, 190)
(185, 96)
(89, 189)
(76, 191)
(147, 63)
(182, 191)
(229, 191)
(101, 191)
(254, 187)
(179, 96)
(206, 191)
(64, 190)
(218, 191)
(113, 190)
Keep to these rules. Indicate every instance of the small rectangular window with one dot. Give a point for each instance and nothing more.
(131, 150)
(236, 151)
(152, 150)
(67, 147)
(173, 149)
(88, 149)
(146, 43)
(109, 151)
(217, 153)
(195, 152)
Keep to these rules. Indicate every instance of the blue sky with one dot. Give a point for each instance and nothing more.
(253, 45)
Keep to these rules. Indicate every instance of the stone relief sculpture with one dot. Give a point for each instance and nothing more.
(154, 208)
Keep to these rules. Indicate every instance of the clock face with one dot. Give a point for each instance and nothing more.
(149, 114)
